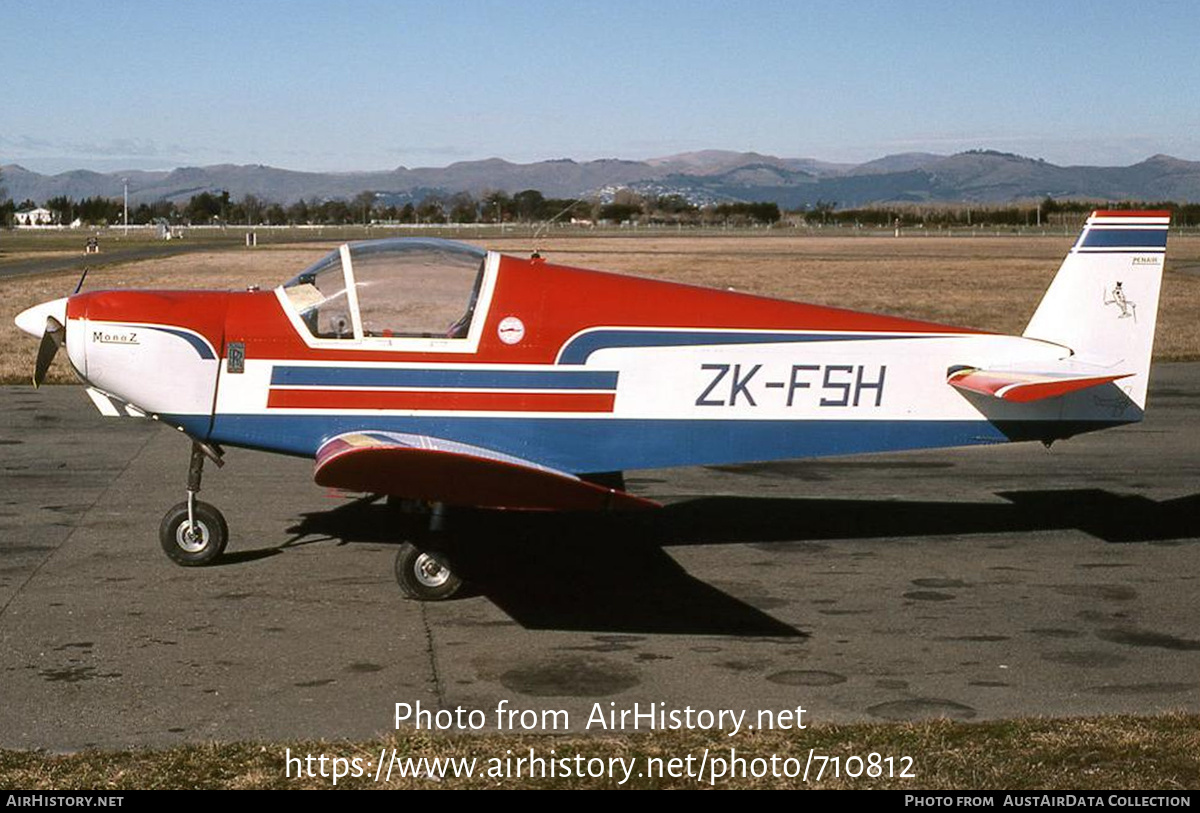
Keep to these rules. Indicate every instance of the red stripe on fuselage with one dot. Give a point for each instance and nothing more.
(455, 401)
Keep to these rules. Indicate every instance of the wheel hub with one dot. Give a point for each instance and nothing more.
(429, 571)
(192, 538)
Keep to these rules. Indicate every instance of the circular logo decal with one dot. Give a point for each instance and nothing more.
(511, 330)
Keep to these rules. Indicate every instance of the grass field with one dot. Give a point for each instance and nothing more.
(1118, 753)
(985, 282)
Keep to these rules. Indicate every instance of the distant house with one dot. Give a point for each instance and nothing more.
(34, 217)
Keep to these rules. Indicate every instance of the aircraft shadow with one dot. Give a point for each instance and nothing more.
(1114, 518)
(611, 573)
(562, 571)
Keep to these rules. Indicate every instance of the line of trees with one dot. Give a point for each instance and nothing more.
(527, 206)
(530, 206)
(628, 206)
(1047, 212)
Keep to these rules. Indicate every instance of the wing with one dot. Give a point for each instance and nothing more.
(1029, 385)
(422, 467)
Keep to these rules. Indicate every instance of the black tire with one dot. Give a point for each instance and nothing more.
(193, 552)
(425, 575)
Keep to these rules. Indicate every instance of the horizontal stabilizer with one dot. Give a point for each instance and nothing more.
(1022, 386)
(426, 468)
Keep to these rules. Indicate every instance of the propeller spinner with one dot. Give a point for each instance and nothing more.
(47, 321)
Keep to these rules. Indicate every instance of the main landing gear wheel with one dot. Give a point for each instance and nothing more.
(193, 543)
(425, 575)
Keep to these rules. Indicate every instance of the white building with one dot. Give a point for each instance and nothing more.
(34, 217)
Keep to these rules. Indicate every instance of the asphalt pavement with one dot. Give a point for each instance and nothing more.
(971, 584)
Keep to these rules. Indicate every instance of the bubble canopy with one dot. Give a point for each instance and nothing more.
(402, 288)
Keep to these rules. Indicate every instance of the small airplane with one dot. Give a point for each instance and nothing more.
(436, 372)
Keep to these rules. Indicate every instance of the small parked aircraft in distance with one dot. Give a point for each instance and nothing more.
(437, 372)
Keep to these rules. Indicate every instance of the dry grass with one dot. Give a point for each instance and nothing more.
(985, 282)
(1119, 753)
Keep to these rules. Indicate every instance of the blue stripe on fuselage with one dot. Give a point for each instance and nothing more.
(200, 345)
(438, 379)
(577, 350)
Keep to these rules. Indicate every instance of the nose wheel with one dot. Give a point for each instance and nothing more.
(193, 538)
(193, 533)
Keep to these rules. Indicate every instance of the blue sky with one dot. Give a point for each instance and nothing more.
(373, 85)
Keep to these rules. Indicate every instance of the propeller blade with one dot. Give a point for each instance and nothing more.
(52, 339)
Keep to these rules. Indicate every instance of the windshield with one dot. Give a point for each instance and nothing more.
(416, 287)
(318, 293)
(403, 288)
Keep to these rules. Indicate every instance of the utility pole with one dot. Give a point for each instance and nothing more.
(125, 181)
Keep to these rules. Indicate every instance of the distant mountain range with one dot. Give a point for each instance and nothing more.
(708, 176)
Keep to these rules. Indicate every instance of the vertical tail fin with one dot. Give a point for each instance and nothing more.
(1103, 303)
